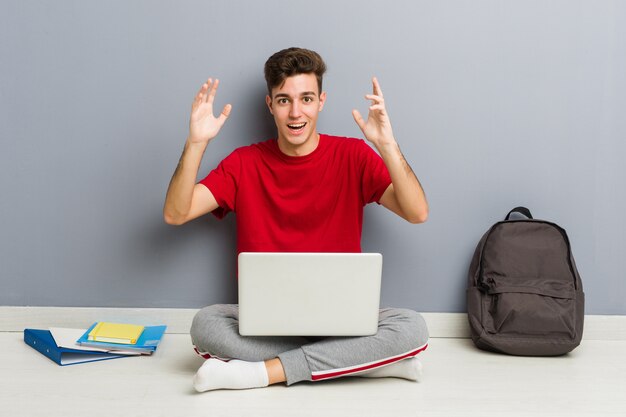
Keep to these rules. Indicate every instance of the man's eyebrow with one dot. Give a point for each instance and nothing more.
(305, 93)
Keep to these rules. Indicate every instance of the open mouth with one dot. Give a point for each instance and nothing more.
(296, 127)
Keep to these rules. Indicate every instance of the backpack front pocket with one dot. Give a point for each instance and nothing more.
(528, 310)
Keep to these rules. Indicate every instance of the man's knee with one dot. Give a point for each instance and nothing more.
(408, 327)
(211, 327)
(419, 327)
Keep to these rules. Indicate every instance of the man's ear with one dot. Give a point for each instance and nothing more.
(322, 100)
(268, 101)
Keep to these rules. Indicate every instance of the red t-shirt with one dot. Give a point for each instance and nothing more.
(311, 203)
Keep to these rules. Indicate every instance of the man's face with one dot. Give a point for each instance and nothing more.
(295, 106)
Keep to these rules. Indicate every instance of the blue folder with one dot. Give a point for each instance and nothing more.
(43, 342)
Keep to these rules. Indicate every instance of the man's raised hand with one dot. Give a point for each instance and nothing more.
(203, 125)
(377, 128)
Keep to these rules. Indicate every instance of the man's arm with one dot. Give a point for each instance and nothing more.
(405, 195)
(186, 200)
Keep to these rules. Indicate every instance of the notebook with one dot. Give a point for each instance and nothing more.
(309, 294)
(123, 333)
(147, 343)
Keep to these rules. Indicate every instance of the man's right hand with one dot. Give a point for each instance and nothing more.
(203, 125)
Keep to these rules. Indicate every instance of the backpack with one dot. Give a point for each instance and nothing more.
(524, 294)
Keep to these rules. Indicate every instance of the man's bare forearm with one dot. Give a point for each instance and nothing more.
(407, 188)
(180, 191)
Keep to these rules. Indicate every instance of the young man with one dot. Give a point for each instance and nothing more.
(301, 192)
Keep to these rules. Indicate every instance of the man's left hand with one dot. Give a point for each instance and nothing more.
(377, 128)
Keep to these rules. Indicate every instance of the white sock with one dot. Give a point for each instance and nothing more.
(410, 368)
(236, 374)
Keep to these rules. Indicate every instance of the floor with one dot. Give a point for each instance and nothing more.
(458, 380)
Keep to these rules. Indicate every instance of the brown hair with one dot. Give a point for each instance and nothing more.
(290, 62)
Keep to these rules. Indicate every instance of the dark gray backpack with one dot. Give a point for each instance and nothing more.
(524, 295)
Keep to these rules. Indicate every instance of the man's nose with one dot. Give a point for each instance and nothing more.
(295, 110)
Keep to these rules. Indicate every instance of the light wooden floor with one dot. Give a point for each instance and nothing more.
(458, 381)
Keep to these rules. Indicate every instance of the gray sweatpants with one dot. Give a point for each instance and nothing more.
(401, 334)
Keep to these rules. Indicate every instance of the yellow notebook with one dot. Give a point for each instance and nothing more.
(116, 333)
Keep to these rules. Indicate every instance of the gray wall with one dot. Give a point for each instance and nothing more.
(494, 103)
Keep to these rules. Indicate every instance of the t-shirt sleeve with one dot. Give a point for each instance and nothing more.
(375, 176)
(222, 182)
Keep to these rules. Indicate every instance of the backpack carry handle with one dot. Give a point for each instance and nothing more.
(521, 210)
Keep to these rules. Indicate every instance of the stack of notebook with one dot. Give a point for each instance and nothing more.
(101, 341)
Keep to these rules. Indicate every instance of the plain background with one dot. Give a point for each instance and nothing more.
(494, 103)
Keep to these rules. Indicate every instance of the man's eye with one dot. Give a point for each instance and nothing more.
(308, 99)
(282, 101)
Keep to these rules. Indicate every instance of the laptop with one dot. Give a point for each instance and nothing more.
(309, 294)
